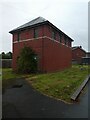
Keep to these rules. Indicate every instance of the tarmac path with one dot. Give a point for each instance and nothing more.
(25, 102)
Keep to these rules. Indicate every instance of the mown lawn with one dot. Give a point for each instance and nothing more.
(60, 85)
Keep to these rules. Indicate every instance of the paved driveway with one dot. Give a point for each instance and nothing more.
(25, 102)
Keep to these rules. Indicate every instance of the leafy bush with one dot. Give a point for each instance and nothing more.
(27, 61)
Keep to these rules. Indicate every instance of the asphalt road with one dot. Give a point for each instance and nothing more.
(0, 99)
(25, 102)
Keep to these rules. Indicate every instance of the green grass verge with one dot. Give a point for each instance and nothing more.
(61, 84)
(0, 74)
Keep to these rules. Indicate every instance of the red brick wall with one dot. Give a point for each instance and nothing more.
(77, 54)
(53, 56)
(56, 56)
(36, 45)
(48, 33)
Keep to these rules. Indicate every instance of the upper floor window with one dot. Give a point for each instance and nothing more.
(69, 43)
(60, 37)
(65, 40)
(53, 34)
(36, 33)
(18, 36)
(14, 37)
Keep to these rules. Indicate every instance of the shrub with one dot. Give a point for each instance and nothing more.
(27, 61)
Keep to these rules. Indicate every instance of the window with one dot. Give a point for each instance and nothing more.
(69, 43)
(60, 37)
(14, 37)
(53, 35)
(35, 33)
(18, 36)
(65, 39)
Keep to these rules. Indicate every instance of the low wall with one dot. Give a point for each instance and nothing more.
(6, 63)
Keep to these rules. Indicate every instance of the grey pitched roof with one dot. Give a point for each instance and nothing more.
(36, 21)
(32, 22)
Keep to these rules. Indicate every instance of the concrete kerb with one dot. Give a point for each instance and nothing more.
(75, 95)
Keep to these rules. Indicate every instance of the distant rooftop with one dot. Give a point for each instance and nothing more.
(75, 47)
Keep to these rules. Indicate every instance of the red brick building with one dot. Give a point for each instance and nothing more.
(77, 54)
(54, 48)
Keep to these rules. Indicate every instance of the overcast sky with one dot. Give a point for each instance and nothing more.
(70, 16)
